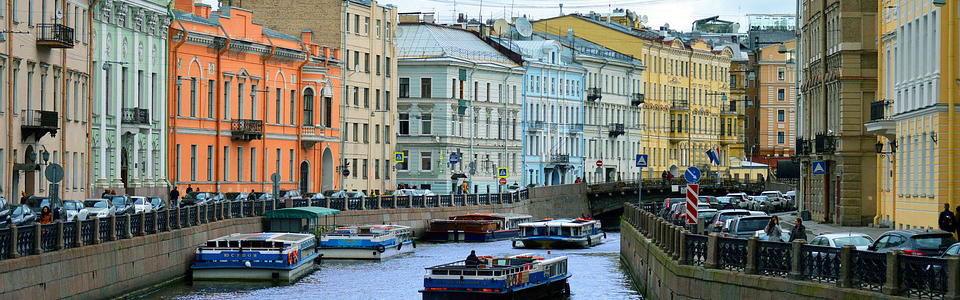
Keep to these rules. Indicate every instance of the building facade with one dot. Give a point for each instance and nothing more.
(364, 30)
(129, 111)
(839, 70)
(459, 98)
(777, 103)
(911, 115)
(248, 102)
(45, 64)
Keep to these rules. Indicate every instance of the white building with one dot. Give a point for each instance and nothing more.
(458, 98)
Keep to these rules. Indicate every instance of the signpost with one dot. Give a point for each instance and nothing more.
(692, 175)
(275, 178)
(641, 163)
(54, 174)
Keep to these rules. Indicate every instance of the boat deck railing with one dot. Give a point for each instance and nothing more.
(462, 265)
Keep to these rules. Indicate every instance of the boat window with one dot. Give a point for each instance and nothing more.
(484, 273)
(455, 272)
(211, 243)
(439, 272)
(234, 243)
(497, 273)
(566, 231)
(555, 231)
(469, 273)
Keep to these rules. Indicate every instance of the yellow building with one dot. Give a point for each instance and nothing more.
(918, 63)
(685, 85)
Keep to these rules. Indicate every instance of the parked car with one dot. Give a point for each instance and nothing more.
(762, 235)
(20, 215)
(746, 226)
(720, 219)
(75, 210)
(725, 202)
(124, 205)
(668, 204)
(415, 192)
(157, 204)
(777, 198)
(860, 240)
(706, 216)
(235, 196)
(915, 242)
(954, 250)
(314, 196)
(741, 200)
(99, 207)
(709, 200)
(289, 194)
(344, 194)
(197, 198)
(141, 204)
(761, 203)
(356, 195)
(261, 196)
(36, 203)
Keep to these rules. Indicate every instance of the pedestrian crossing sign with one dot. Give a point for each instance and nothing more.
(398, 157)
(502, 172)
(641, 160)
(819, 168)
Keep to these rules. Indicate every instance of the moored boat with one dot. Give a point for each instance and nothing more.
(369, 242)
(476, 227)
(560, 234)
(256, 257)
(521, 276)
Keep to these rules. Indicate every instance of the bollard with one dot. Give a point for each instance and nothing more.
(953, 278)
(156, 223)
(796, 262)
(143, 223)
(77, 228)
(177, 218)
(326, 202)
(113, 228)
(229, 212)
(677, 241)
(380, 202)
(310, 201)
(363, 203)
(846, 266)
(127, 232)
(13, 253)
(713, 252)
(682, 255)
(273, 204)
(37, 239)
(166, 222)
(752, 255)
(892, 286)
(59, 235)
(96, 230)
(263, 207)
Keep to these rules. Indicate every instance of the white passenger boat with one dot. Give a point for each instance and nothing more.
(369, 242)
(560, 233)
(521, 276)
(256, 256)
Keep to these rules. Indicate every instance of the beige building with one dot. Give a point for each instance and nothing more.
(777, 100)
(839, 63)
(44, 65)
(365, 31)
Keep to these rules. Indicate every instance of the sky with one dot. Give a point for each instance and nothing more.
(680, 14)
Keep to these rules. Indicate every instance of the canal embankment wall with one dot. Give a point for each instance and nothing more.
(114, 257)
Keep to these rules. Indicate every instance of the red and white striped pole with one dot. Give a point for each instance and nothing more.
(693, 191)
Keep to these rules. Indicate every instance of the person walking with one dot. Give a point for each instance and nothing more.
(189, 188)
(799, 231)
(947, 218)
(174, 196)
(956, 221)
(105, 194)
(773, 230)
(23, 197)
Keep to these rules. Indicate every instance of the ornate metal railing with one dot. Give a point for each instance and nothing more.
(337, 203)
(135, 223)
(820, 263)
(923, 277)
(26, 237)
(431, 201)
(869, 270)
(122, 227)
(388, 202)
(733, 254)
(162, 222)
(774, 258)
(149, 224)
(417, 201)
(86, 231)
(370, 203)
(247, 208)
(48, 237)
(104, 229)
(696, 249)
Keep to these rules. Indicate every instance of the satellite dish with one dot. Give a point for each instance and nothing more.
(644, 19)
(500, 26)
(398, 32)
(736, 27)
(59, 14)
(524, 27)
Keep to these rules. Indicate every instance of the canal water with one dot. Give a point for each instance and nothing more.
(597, 274)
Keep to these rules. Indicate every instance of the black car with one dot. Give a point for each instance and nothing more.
(915, 242)
(36, 203)
(17, 215)
(234, 196)
(197, 198)
(123, 204)
(157, 203)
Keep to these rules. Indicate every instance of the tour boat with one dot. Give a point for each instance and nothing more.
(256, 256)
(560, 233)
(476, 227)
(371, 242)
(521, 276)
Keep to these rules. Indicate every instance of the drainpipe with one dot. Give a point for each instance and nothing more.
(263, 142)
(602, 174)
(345, 94)
(383, 122)
(306, 59)
(11, 100)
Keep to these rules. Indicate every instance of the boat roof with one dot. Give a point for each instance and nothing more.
(266, 237)
(501, 215)
(560, 222)
(511, 262)
(300, 213)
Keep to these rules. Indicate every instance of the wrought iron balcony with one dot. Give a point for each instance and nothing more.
(537, 126)
(560, 159)
(679, 105)
(37, 123)
(135, 116)
(593, 94)
(636, 99)
(616, 130)
(825, 143)
(878, 110)
(247, 130)
(576, 128)
(55, 36)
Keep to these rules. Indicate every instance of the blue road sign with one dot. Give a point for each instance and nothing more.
(502, 173)
(819, 168)
(454, 158)
(692, 175)
(641, 160)
(398, 157)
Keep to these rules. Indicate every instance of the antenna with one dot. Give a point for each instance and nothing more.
(524, 28)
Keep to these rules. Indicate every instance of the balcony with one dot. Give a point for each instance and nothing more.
(536, 126)
(727, 139)
(575, 128)
(636, 99)
(679, 105)
(135, 116)
(593, 94)
(54, 36)
(616, 130)
(38, 123)
(825, 144)
(676, 137)
(560, 159)
(880, 124)
(246, 130)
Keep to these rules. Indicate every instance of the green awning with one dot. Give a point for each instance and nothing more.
(301, 213)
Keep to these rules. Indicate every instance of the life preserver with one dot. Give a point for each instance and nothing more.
(293, 257)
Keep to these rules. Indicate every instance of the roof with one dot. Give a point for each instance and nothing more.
(912, 232)
(560, 223)
(843, 234)
(276, 34)
(300, 213)
(265, 236)
(641, 33)
(427, 41)
(584, 47)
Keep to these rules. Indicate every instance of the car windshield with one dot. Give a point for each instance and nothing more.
(708, 215)
(727, 216)
(293, 193)
(723, 199)
(752, 224)
(931, 241)
(769, 194)
(19, 211)
(95, 203)
(232, 196)
(853, 240)
(73, 205)
(119, 201)
(140, 201)
(330, 193)
(155, 201)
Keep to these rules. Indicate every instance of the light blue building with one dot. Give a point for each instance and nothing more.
(553, 103)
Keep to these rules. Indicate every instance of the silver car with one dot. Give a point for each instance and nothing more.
(860, 240)
(99, 207)
(75, 210)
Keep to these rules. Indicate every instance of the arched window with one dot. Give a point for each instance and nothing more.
(308, 107)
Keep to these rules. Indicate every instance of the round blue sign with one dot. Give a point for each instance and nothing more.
(454, 158)
(692, 175)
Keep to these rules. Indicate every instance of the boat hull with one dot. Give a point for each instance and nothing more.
(243, 273)
(470, 236)
(547, 242)
(547, 290)
(365, 253)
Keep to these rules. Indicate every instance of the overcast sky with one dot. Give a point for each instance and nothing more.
(678, 13)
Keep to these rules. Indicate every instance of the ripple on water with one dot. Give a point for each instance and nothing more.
(597, 274)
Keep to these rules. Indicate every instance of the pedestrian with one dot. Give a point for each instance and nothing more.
(773, 230)
(23, 197)
(956, 220)
(799, 231)
(472, 260)
(947, 218)
(189, 188)
(105, 193)
(577, 181)
(466, 190)
(45, 216)
(174, 196)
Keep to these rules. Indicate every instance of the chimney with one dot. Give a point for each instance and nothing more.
(202, 10)
(306, 36)
(184, 5)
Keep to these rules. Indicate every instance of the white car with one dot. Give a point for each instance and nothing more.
(141, 205)
(762, 235)
(75, 210)
(860, 240)
(100, 208)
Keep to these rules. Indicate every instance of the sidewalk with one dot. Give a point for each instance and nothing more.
(814, 229)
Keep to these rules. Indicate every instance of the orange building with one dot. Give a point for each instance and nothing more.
(247, 102)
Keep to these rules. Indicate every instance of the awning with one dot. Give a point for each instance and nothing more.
(300, 213)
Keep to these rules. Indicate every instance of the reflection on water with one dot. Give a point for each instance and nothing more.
(596, 275)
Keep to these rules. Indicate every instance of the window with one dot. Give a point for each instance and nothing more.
(277, 162)
(376, 133)
(328, 112)
(366, 97)
(366, 133)
(193, 163)
(387, 67)
(354, 165)
(425, 87)
(356, 96)
(404, 87)
(290, 167)
(378, 29)
(426, 160)
(240, 96)
(239, 164)
(356, 133)
(426, 123)
(378, 60)
(308, 107)
(488, 92)
(253, 164)
(346, 25)
(780, 115)
(278, 109)
(377, 95)
(210, 101)
(193, 97)
(209, 163)
(387, 134)
(356, 24)
(178, 163)
(781, 94)
(404, 124)
(226, 163)
(364, 170)
(293, 110)
(226, 99)
(406, 162)
(376, 162)
(781, 74)
(781, 137)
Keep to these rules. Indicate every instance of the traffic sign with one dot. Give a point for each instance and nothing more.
(502, 172)
(398, 157)
(503, 181)
(819, 168)
(54, 173)
(599, 163)
(692, 175)
(693, 194)
(275, 177)
(454, 158)
(641, 160)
